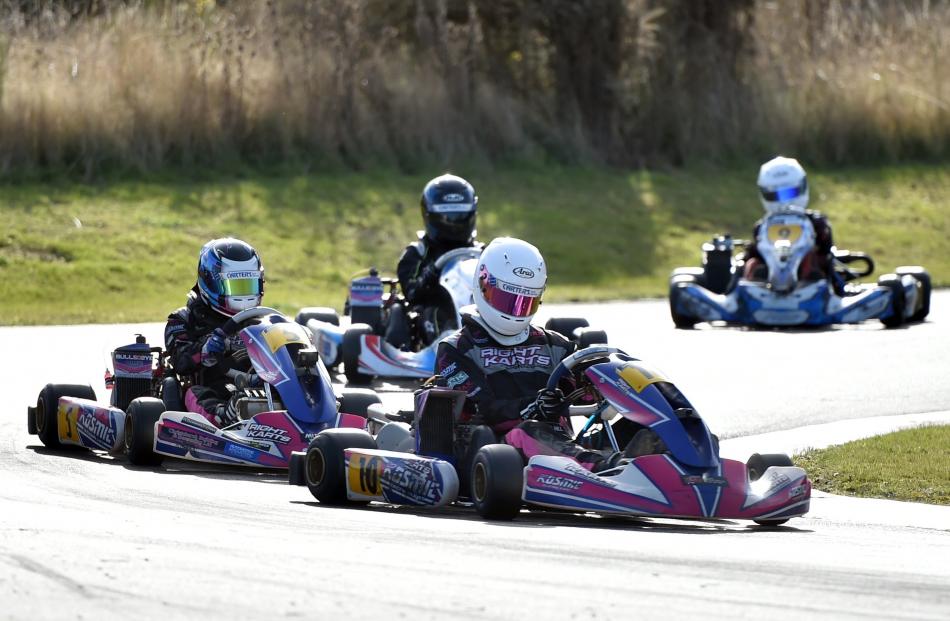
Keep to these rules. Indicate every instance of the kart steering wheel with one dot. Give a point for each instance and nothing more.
(578, 358)
(471, 252)
(232, 325)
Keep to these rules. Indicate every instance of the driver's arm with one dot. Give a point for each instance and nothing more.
(412, 274)
(184, 348)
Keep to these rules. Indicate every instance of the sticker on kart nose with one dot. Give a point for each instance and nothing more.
(638, 375)
(782, 232)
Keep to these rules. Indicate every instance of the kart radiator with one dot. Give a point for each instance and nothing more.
(133, 373)
(436, 428)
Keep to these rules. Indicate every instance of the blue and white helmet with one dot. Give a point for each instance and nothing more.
(230, 276)
(783, 185)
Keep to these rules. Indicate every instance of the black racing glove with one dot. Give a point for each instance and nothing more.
(551, 404)
(429, 276)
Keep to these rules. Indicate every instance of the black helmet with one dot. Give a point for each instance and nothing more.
(448, 209)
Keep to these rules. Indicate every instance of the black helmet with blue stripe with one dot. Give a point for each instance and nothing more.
(448, 205)
(230, 276)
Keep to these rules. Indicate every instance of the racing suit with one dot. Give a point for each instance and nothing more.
(817, 265)
(421, 286)
(186, 331)
(502, 380)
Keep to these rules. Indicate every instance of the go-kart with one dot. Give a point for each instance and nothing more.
(717, 291)
(387, 338)
(680, 474)
(145, 418)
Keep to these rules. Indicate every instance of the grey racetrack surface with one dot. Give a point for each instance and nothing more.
(87, 536)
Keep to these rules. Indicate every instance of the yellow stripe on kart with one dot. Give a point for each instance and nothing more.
(282, 334)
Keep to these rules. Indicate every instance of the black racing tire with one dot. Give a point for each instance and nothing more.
(320, 313)
(497, 479)
(325, 464)
(759, 463)
(926, 288)
(566, 325)
(679, 320)
(587, 337)
(351, 354)
(47, 406)
(893, 282)
(356, 400)
(31, 420)
(171, 395)
(139, 436)
(297, 469)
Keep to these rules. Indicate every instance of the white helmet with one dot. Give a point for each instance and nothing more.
(783, 185)
(509, 283)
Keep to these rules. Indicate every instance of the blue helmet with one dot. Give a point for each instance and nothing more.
(448, 206)
(230, 275)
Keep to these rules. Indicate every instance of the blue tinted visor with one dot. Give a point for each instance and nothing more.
(785, 194)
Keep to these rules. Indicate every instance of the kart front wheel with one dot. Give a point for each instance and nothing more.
(586, 337)
(139, 435)
(45, 415)
(325, 464)
(893, 282)
(922, 308)
(357, 400)
(759, 463)
(352, 344)
(497, 480)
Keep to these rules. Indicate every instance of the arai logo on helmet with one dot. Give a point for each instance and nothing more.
(453, 198)
(523, 272)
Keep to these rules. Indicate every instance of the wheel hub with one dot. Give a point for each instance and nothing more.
(316, 467)
(479, 482)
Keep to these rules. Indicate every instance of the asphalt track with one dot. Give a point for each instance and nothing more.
(87, 536)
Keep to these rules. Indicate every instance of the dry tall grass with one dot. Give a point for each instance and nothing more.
(367, 82)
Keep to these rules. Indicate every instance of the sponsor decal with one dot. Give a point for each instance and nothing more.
(87, 422)
(508, 287)
(199, 425)
(455, 380)
(704, 479)
(776, 480)
(795, 492)
(238, 275)
(266, 432)
(240, 452)
(412, 479)
(363, 474)
(520, 356)
(581, 472)
(523, 272)
(550, 480)
(449, 370)
(453, 198)
(188, 438)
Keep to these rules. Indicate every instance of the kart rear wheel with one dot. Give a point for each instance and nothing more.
(893, 282)
(589, 336)
(926, 287)
(679, 320)
(325, 464)
(320, 313)
(356, 400)
(139, 436)
(566, 325)
(351, 354)
(496, 481)
(45, 415)
(759, 463)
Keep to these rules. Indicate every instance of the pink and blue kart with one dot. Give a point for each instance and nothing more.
(286, 400)
(718, 291)
(683, 476)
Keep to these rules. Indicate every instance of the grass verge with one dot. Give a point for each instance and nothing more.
(125, 250)
(907, 465)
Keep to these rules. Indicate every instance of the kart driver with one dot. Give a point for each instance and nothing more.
(230, 279)
(449, 207)
(783, 186)
(502, 361)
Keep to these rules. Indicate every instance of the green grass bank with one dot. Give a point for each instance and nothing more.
(907, 465)
(118, 251)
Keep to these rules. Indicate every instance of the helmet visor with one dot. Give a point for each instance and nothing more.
(509, 299)
(785, 194)
(240, 284)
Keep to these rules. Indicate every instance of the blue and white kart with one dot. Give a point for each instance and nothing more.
(364, 347)
(718, 292)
